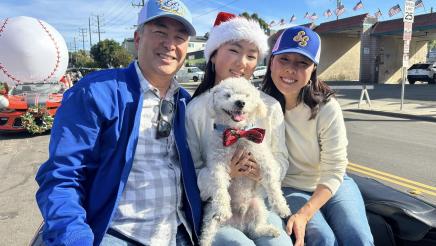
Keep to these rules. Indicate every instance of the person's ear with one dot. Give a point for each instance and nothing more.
(136, 38)
(212, 59)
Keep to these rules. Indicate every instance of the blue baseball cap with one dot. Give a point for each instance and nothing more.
(174, 9)
(299, 39)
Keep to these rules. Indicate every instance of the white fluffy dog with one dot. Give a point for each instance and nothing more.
(235, 103)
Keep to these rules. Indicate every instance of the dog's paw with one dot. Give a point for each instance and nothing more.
(266, 230)
(283, 211)
(223, 213)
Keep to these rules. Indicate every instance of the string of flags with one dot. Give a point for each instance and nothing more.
(341, 10)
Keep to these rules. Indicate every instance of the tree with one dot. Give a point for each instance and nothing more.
(262, 22)
(81, 59)
(108, 54)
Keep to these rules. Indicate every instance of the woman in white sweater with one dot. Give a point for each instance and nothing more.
(234, 47)
(327, 205)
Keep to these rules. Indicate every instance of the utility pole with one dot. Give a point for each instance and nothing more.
(138, 5)
(89, 29)
(82, 32)
(98, 28)
(75, 46)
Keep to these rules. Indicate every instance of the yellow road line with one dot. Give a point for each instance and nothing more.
(393, 176)
(392, 181)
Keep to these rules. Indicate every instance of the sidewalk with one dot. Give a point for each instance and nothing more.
(419, 103)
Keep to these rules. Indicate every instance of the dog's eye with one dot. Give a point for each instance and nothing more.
(228, 95)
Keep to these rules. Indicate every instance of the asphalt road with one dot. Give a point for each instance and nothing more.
(401, 147)
(21, 155)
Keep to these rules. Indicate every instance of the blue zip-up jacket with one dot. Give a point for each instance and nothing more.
(91, 151)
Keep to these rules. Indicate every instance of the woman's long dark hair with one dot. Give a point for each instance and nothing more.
(313, 94)
(208, 80)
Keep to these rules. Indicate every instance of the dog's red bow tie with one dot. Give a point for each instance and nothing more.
(231, 135)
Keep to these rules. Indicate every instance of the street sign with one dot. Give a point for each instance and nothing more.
(407, 34)
(409, 11)
(405, 60)
(406, 46)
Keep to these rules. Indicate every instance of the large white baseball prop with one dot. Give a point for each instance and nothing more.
(31, 51)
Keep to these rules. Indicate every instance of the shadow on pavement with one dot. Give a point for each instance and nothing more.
(20, 135)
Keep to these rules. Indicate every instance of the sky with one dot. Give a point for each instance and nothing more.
(118, 17)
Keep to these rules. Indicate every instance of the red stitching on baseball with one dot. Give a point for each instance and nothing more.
(2, 67)
(3, 26)
(8, 74)
(57, 51)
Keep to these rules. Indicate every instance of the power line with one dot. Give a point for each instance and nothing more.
(223, 5)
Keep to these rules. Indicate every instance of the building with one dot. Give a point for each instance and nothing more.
(360, 48)
(196, 43)
(129, 45)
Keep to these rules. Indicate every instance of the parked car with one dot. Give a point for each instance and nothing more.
(185, 74)
(23, 96)
(76, 73)
(422, 72)
(259, 72)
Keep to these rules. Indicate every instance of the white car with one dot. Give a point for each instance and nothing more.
(422, 72)
(259, 72)
(185, 74)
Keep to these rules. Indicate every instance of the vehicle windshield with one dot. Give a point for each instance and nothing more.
(195, 69)
(46, 88)
(420, 66)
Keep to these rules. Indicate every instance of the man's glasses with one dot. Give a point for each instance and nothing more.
(166, 109)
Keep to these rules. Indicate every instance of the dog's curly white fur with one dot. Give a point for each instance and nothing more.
(239, 202)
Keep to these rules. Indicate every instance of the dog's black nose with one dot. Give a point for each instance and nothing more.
(240, 104)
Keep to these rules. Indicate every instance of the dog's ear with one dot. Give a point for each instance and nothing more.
(261, 109)
(210, 103)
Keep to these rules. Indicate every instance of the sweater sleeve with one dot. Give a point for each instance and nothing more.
(72, 152)
(194, 135)
(333, 145)
(278, 145)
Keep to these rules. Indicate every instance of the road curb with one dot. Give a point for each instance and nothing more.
(394, 114)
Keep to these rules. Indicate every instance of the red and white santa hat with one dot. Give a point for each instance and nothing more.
(228, 27)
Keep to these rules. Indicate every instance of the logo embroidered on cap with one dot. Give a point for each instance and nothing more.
(301, 38)
(172, 6)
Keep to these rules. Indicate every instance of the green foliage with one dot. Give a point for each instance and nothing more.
(432, 45)
(109, 53)
(81, 59)
(37, 120)
(261, 21)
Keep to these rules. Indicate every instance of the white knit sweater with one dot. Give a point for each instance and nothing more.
(317, 148)
(198, 123)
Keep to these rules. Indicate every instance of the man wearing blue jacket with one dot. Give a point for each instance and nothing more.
(119, 170)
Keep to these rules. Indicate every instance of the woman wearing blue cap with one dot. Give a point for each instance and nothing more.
(327, 206)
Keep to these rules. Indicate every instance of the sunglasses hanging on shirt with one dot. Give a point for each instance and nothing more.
(164, 122)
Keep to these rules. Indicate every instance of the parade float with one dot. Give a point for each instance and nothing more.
(33, 58)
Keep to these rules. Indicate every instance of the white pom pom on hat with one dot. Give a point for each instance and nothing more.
(229, 27)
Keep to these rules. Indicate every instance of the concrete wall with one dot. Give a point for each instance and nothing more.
(340, 57)
(391, 53)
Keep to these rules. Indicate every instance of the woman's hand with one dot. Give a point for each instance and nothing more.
(243, 164)
(297, 225)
